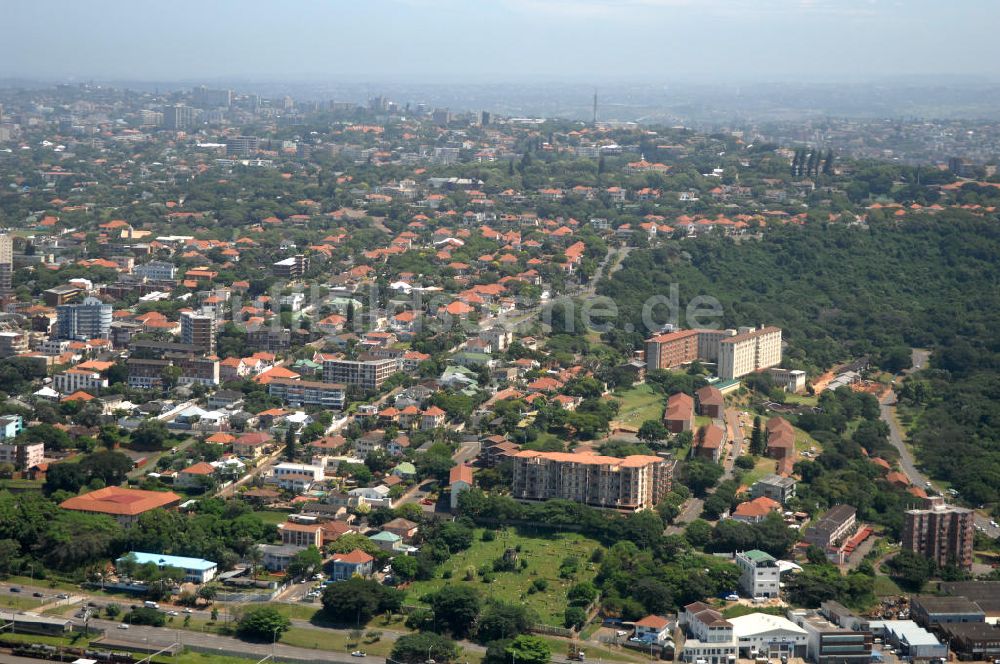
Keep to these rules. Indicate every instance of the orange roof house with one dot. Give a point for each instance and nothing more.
(126, 505)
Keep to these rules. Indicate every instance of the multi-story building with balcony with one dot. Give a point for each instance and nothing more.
(631, 483)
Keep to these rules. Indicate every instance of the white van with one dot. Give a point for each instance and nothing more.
(151, 605)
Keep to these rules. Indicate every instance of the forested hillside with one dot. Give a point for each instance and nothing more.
(842, 292)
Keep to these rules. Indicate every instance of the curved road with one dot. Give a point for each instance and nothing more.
(907, 463)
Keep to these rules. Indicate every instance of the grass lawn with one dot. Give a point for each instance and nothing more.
(884, 586)
(803, 441)
(79, 642)
(639, 404)
(298, 611)
(544, 553)
(191, 657)
(51, 582)
(765, 466)
(801, 399)
(16, 601)
(737, 610)
(595, 652)
(273, 517)
(21, 485)
(322, 639)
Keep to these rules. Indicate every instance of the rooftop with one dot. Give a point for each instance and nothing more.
(121, 502)
(163, 560)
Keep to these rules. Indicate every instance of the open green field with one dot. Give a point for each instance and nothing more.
(884, 586)
(330, 640)
(765, 466)
(273, 517)
(544, 553)
(20, 485)
(639, 404)
(18, 602)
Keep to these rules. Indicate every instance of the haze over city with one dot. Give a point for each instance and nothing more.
(510, 41)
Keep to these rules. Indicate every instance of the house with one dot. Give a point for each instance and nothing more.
(301, 534)
(404, 470)
(387, 541)
(252, 445)
(679, 415)
(756, 510)
(347, 565)
(708, 442)
(377, 496)
(710, 402)
(198, 476)
(405, 528)
(459, 480)
(276, 557)
(653, 629)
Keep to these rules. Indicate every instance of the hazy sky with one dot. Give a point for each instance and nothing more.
(511, 40)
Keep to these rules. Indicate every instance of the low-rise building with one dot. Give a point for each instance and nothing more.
(911, 639)
(301, 534)
(125, 505)
(834, 527)
(930, 610)
(774, 487)
(196, 570)
(355, 563)
(308, 392)
(829, 643)
(679, 415)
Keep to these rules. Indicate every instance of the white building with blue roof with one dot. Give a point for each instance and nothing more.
(195, 569)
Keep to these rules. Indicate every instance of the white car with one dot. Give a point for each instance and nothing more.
(358, 653)
(172, 613)
(732, 598)
(123, 626)
(188, 611)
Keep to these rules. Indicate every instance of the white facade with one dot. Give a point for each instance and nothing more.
(73, 380)
(283, 469)
(759, 574)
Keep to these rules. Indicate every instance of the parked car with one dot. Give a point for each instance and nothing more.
(172, 613)
(188, 610)
(15, 589)
(37, 594)
(358, 653)
(732, 598)
(122, 626)
(62, 596)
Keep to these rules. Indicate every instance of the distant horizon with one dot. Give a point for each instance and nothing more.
(455, 41)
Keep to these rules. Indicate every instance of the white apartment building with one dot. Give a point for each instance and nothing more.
(749, 351)
(73, 380)
(283, 469)
(22, 457)
(759, 573)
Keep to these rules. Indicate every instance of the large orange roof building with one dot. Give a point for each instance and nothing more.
(126, 505)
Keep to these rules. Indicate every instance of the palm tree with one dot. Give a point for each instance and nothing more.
(254, 557)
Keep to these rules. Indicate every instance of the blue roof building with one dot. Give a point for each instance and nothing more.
(195, 569)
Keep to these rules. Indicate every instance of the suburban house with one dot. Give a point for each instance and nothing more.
(346, 565)
(679, 415)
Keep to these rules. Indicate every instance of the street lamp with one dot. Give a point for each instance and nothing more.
(274, 640)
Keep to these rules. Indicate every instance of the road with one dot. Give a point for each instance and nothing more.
(735, 436)
(907, 463)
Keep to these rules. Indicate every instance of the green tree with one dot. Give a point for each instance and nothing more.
(423, 646)
(652, 431)
(151, 434)
(456, 607)
(262, 622)
(305, 563)
(356, 600)
(290, 451)
(500, 620)
(911, 570)
(757, 443)
(528, 649)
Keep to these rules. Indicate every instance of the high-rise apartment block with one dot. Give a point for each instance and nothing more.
(632, 483)
(178, 117)
(242, 146)
(91, 319)
(943, 533)
(293, 267)
(199, 330)
(6, 263)
(737, 352)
